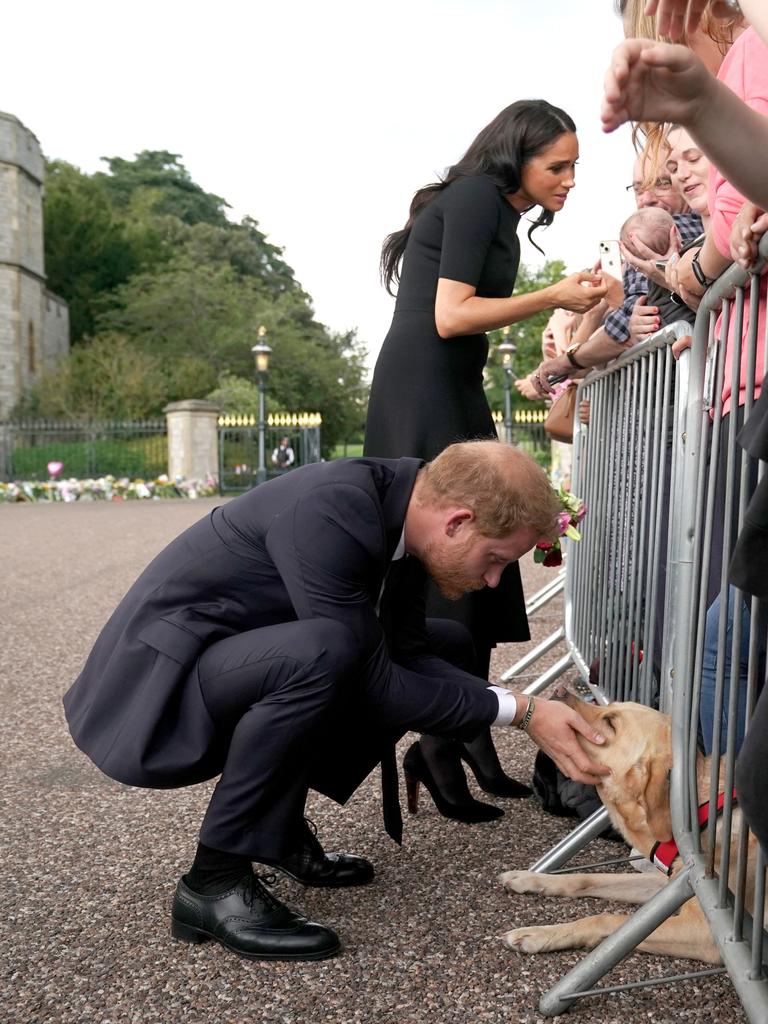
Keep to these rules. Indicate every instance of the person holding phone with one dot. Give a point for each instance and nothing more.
(456, 262)
(633, 318)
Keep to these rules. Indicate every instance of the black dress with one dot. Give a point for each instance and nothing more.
(427, 392)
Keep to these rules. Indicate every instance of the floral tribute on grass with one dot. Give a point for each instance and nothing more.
(572, 512)
(106, 488)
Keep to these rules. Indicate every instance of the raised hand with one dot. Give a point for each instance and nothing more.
(649, 81)
(674, 17)
(748, 227)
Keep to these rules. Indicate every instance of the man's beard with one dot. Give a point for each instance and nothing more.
(446, 568)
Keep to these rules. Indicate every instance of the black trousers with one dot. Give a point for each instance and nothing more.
(280, 697)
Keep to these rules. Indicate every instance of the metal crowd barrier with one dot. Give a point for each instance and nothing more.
(623, 471)
(539, 600)
(707, 465)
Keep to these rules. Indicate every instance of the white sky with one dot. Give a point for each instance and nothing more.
(320, 119)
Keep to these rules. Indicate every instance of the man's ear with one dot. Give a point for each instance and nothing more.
(457, 519)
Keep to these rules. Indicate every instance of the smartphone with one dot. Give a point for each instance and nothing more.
(610, 257)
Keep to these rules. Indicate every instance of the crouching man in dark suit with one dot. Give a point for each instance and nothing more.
(280, 643)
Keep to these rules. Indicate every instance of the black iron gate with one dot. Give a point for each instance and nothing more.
(249, 454)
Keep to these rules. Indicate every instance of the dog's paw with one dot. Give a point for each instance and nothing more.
(523, 881)
(527, 940)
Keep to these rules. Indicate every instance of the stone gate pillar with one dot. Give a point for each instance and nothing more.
(193, 439)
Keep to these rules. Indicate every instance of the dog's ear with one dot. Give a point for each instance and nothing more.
(656, 800)
(646, 786)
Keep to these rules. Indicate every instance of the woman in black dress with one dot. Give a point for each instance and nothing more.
(456, 262)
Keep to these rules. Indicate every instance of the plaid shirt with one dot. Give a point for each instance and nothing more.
(616, 324)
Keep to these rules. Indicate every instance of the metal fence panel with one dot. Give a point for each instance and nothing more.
(712, 660)
(240, 452)
(138, 449)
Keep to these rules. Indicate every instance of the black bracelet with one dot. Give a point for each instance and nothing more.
(699, 274)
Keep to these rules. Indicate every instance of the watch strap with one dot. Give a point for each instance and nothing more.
(699, 274)
(572, 358)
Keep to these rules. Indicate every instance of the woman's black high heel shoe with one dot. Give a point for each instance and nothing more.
(497, 784)
(468, 810)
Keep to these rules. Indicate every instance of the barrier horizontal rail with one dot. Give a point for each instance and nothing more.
(710, 660)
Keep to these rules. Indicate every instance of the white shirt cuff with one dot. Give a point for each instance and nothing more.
(507, 706)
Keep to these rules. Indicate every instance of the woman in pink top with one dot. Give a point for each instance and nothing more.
(745, 71)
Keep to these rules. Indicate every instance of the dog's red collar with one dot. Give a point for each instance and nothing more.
(664, 855)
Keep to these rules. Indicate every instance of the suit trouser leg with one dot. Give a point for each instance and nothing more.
(374, 720)
(269, 692)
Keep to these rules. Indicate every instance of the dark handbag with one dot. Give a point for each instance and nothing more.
(559, 421)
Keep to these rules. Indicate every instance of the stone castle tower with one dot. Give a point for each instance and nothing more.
(34, 323)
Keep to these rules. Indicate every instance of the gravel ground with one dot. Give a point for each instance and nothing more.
(88, 866)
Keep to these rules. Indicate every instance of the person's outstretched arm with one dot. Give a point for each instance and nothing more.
(649, 81)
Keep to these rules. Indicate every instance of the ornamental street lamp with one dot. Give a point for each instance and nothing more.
(261, 353)
(507, 350)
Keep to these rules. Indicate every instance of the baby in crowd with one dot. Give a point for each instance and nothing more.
(653, 226)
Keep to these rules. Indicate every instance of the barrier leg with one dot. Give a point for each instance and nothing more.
(613, 949)
(544, 596)
(561, 852)
(546, 645)
(542, 682)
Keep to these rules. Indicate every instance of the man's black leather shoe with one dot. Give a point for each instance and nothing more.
(250, 921)
(311, 865)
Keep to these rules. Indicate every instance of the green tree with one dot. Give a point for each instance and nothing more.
(87, 250)
(159, 175)
(163, 278)
(245, 249)
(104, 379)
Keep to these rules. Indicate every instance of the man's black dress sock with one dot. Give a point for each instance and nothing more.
(215, 871)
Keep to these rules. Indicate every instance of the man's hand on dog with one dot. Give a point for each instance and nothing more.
(554, 727)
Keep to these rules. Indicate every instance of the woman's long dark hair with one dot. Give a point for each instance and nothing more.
(502, 148)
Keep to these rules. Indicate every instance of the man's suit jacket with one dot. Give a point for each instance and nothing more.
(315, 543)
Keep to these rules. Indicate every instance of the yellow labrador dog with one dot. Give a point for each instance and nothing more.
(638, 750)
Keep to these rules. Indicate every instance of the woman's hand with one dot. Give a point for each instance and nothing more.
(649, 81)
(748, 227)
(554, 727)
(643, 321)
(679, 346)
(614, 295)
(645, 259)
(579, 292)
(526, 388)
(680, 277)
(558, 367)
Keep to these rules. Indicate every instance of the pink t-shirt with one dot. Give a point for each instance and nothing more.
(745, 71)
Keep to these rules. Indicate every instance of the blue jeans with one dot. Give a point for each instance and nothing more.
(709, 671)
